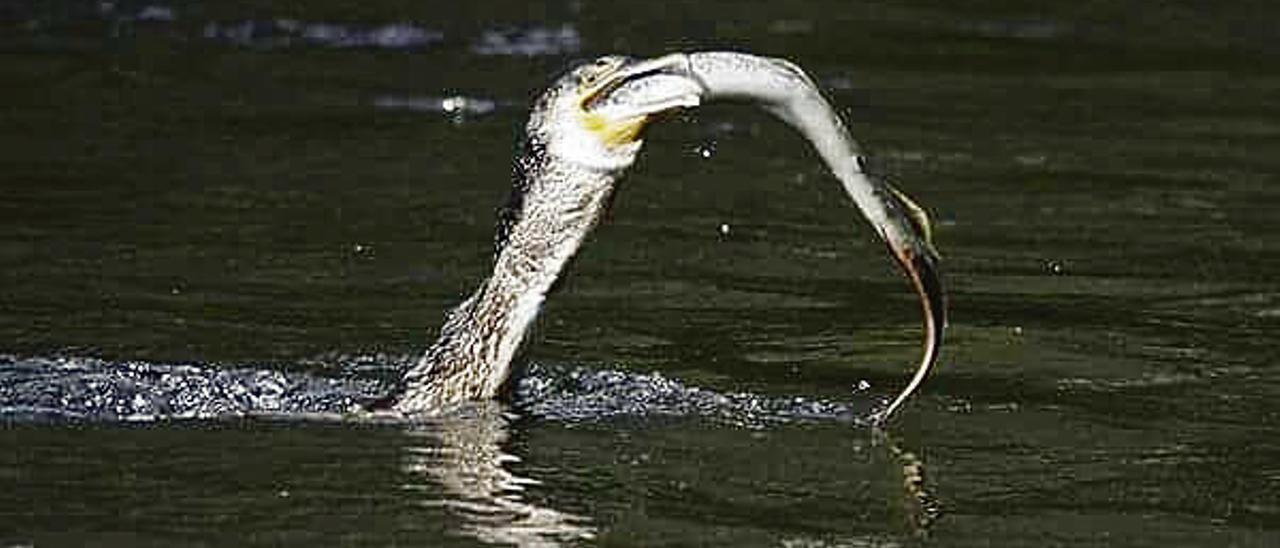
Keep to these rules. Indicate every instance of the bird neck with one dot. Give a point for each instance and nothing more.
(555, 207)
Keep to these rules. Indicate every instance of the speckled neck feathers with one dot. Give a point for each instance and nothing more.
(555, 203)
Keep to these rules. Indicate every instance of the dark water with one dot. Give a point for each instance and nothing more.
(227, 223)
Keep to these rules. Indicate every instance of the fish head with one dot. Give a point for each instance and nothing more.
(597, 112)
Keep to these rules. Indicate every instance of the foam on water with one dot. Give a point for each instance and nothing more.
(579, 393)
(94, 389)
(77, 388)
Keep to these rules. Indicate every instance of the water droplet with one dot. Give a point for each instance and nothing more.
(724, 229)
(453, 104)
(1055, 267)
(706, 150)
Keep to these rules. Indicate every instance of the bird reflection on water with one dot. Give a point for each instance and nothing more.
(464, 454)
(462, 464)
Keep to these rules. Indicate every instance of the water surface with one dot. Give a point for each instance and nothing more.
(253, 214)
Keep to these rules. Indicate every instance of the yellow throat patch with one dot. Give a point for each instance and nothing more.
(614, 132)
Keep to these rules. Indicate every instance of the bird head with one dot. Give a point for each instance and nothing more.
(595, 114)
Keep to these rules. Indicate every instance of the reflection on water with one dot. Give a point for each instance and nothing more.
(465, 455)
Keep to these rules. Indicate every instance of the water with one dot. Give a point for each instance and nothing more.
(251, 214)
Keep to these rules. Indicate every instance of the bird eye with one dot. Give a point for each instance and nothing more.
(597, 70)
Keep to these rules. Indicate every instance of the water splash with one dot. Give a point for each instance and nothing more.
(70, 388)
(90, 388)
(581, 394)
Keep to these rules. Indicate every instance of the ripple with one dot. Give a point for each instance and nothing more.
(529, 42)
(457, 107)
(156, 13)
(122, 20)
(183, 24)
(276, 33)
